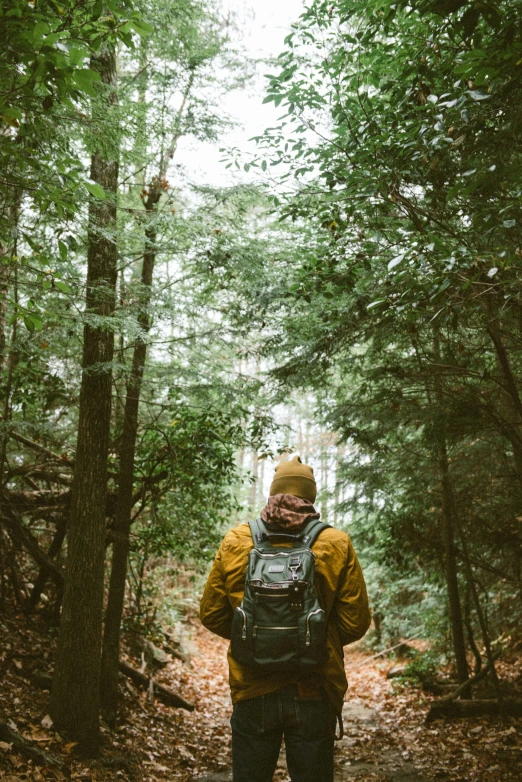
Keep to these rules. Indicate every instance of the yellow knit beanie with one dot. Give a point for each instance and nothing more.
(295, 478)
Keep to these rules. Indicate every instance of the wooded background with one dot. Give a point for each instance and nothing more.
(358, 300)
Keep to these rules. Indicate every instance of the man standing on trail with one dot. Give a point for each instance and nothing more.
(289, 593)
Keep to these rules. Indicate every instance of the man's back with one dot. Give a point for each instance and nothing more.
(301, 706)
(342, 595)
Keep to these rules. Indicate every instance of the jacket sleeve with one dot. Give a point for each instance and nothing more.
(215, 610)
(351, 606)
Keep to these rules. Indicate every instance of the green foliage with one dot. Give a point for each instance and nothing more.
(47, 74)
(195, 455)
(196, 411)
(423, 668)
(381, 275)
(399, 169)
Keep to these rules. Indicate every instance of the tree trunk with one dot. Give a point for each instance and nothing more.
(43, 575)
(12, 359)
(8, 250)
(125, 502)
(253, 485)
(261, 497)
(122, 525)
(324, 484)
(509, 707)
(5, 273)
(159, 691)
(471, 638)
(448, 529)
(512, 401)
(478, 608)
(75, 697)
(448, 532)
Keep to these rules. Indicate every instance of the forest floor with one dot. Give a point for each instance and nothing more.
(386, 736)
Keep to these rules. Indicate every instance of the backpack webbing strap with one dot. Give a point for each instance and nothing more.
(312, 531)
(259, 535)
(307, 537)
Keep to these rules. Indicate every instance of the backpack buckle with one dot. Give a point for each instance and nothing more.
(294, 564)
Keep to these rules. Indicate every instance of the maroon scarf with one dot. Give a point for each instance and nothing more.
(284, 511)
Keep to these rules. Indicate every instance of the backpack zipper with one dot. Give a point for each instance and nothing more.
(256, 582)
(268, 627)
(312, 613)
(282, 553)
(244, 631)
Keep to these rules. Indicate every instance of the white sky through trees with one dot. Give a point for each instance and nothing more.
(264, 24)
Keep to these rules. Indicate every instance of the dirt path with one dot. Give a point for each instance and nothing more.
(369, 750)
(386, 736)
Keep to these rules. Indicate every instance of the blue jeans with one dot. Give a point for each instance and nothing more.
(307, 724)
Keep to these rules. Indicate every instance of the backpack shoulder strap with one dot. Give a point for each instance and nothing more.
(259, 535)
(312, 531)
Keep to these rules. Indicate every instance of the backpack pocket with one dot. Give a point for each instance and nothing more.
(241, 638)
(276, 647)
(314, 651)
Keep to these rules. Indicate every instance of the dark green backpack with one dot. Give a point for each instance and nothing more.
(280, 625)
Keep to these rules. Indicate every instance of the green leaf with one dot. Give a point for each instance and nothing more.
(39, 32)
(395, 261)
(96, 190)
(85, 79)
(141, 27)
(476, 95)
(33, 322)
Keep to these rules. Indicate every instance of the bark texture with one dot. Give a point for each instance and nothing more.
(75, 697)
(159, 691)
(125, 502)
(43, 574)
(31, 750)
(448, 534)
(455, 609)
(509, 707)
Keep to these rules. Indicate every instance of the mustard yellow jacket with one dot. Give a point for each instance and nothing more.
(341, 591)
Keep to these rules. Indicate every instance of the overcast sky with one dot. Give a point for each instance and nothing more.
(266, 24)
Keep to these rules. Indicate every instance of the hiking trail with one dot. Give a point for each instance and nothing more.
(386, 737)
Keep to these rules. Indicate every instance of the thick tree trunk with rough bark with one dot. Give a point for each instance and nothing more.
(125, 502)
(75, 697)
